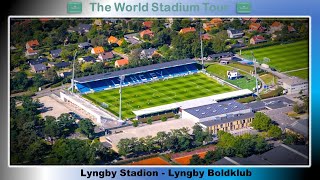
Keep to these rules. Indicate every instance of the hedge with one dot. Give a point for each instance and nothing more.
(156, 118)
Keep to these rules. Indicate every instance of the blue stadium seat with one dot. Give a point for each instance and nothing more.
(136, 78)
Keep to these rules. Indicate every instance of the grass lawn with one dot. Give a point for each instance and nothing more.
(242, 67)
(118, 50)
(283, 57)
(158, 93)
(268, 79)
(247, 82)
(304, 74)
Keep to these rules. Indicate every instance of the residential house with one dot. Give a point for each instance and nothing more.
(114, 40)
(187, 30)
(38, 68)
(55, 53)
(215, 22)
(147, 53)
(87, 59)
(33, 44)
(84, 45)
(62, 64)
(257, 39)
(147, 24)
(206, 36)
(132, 38)
(276, 26)
(105, 56)
(250, 20)
(37, 61)
(256, 27)
(121, 62)
(97, 22)
(291, 29)
(97, 50)
(232, 33)
(81, 28)
(65, 74)
(31, 52)
(59, 64)
(147, 32)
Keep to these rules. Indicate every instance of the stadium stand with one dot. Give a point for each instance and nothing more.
(100, 82)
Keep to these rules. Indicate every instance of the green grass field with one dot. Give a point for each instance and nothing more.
(283, 57)
(268, 79)
(242, 67)
(158, 93)
(304, 74)
(247, 82)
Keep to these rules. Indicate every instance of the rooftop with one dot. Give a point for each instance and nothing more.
(293, 81)
(228, 118)
(273, 103)
(215, 109)
(134, 70)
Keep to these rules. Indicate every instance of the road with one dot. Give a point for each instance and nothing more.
(124, 56)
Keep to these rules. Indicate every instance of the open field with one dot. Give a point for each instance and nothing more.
(151, 161)
(158, 93)
(304, 74)
(247, 82)
(283, 57)
(268, 79)
(243, 67)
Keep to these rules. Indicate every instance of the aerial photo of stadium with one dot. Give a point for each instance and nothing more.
(159, 91)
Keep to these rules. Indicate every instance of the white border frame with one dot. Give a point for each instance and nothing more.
(159, 166)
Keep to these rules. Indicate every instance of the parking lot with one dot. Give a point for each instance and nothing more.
(280, 116)
(51, 107)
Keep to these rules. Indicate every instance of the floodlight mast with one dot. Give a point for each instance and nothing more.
(120, 92)
(255, 72)
(72, 82)
(201, 48)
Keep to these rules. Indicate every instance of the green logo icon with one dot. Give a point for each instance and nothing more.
(74, 7)
(243, 8)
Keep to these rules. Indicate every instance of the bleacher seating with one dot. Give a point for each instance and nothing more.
(136, 78)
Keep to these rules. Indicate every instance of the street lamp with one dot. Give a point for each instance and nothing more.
(120, 92)
(72, 81)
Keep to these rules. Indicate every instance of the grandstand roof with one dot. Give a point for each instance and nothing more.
(193, 102)
(216, 109)
(152, 67)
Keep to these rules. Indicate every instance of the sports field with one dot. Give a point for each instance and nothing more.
(158, 93)
(247, 82)
(283, 57)
(304, 74)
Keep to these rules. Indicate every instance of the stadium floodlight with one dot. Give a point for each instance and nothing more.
(120, 92)
(255, 72)
(201, 48)
(72, 81)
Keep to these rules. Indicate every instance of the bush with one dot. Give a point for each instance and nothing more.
(246, 99)
(163, 119)
(274, 93)
(177, 116)
(156, 118)
(149, 121)
(135, 123)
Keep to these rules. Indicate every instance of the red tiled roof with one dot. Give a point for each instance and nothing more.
(33, 43)
(30, 50)
(112, 39)
(276, 24)
(146, 32)
(122, 62)
(258, 38)
(186, 30)
(147, 24)
(98, 50)
(291, 29)
(254, 26)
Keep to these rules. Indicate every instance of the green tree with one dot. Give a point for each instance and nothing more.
(261, 122)
(51, 76)
(37, 152)
(124, 147)
(274, 132)
(87, 127)
(38, 80)
(20, 81)
(196, 160)
(198, 134)
(72, 152)
(163, 118)
(209, 157)
(51, 128)
(298, 109)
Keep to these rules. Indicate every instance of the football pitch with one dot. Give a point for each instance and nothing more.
(284, 57)
(158, 93)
